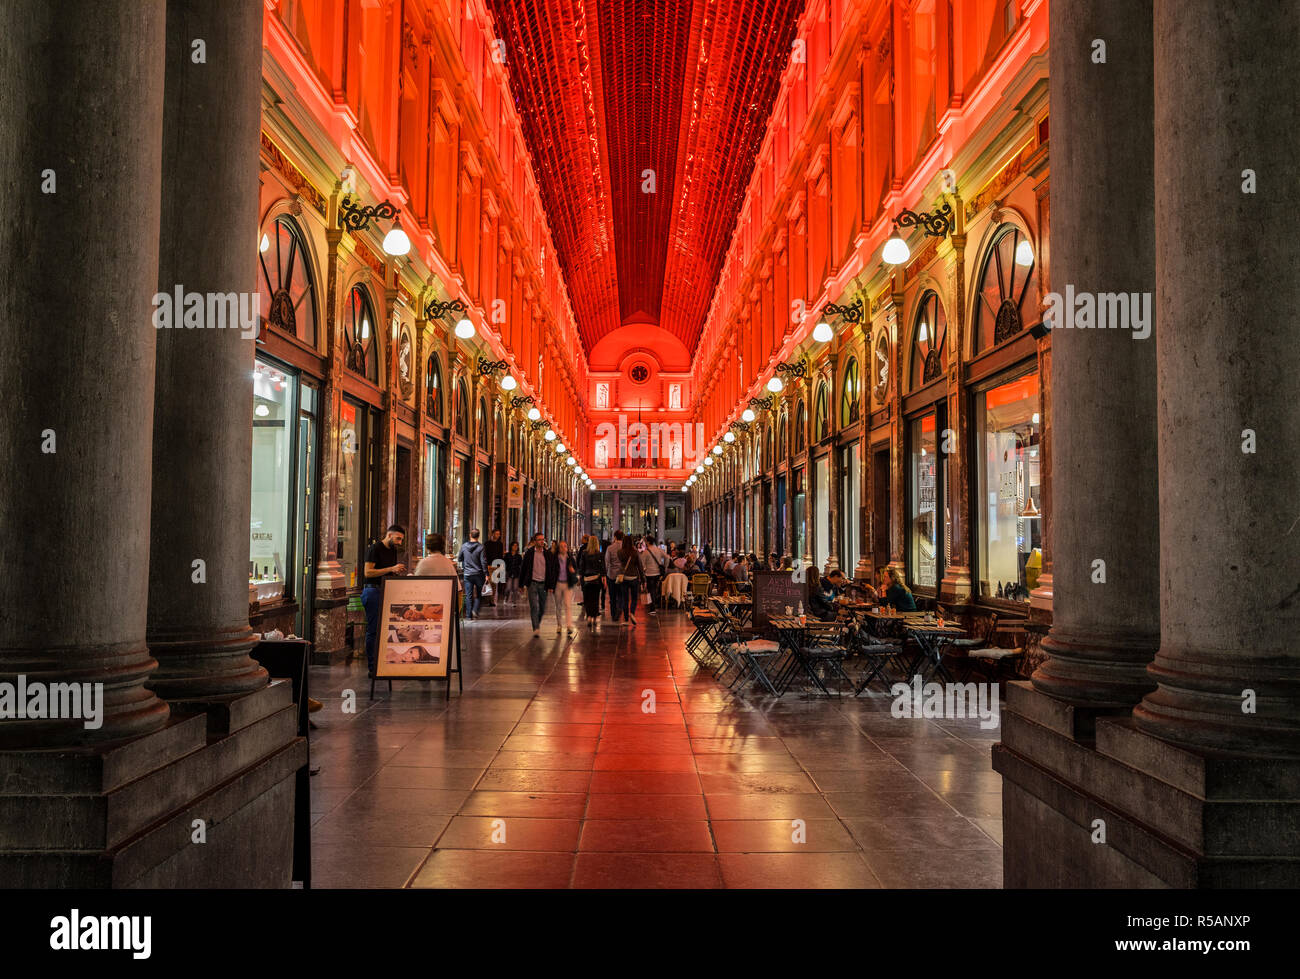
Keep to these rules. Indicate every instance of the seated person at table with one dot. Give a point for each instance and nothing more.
(897, 594)
(739, 570)
(822, 593)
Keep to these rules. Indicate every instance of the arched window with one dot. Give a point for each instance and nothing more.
(929, 341)
(781, 424)
(359, 328)
(433, 389)
(1008, 290)
(767, 447)
(288, 293)
(800, 428)
(461, 408)
(821, 418)
(482, 431)
(499, 445)
(850, 395)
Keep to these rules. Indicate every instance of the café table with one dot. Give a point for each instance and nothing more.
(741, 606)
(793, 633)
(931, 638)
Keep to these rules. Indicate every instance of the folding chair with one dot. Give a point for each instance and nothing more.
(746, 652)
(825, 647)
(878, 654)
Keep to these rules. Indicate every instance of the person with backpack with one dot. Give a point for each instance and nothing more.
(473, 568)
(613, 572)
(629, 578)
(653, 561)
(591, 566)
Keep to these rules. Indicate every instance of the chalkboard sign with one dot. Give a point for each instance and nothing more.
(773, 591)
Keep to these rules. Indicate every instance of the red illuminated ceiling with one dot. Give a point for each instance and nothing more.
(608, 89)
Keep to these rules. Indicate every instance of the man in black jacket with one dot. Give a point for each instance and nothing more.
(538, 573)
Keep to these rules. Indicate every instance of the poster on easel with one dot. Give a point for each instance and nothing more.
(419, 629)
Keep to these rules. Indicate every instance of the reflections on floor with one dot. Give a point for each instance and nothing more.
(550, 771)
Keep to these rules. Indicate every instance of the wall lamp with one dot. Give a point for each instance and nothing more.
(520, 402)
(935, 224)
(490, 368)
(764, 403)
(793, 370)
(436, 310)
(356, 217)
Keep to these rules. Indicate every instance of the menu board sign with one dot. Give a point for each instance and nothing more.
(774, 592)
(417, 627)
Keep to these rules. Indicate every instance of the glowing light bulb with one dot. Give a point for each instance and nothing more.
(747, 415)
(396, 242)
(823, 333)
(465, 329)
(261, 411)
(534, 414)
(559, 447)
(550, 435)
(775, 385)
(699, 469)
(729, 437)
(717, 450)
(895, 251)
(508, 383)
(709, 461)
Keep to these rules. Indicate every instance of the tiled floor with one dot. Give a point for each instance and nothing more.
(551, 771)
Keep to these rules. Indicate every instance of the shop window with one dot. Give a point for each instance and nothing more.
(1008, 290)
(850, 395)
(822, 424)
(925, 498)
(822, 510)
(1008, 486)
(433, 389)
(461, 409)
(850, 506)
(288, 292)
(359, 326)
(781, 424)
(274, 419)
(481, 431)
(929, 341)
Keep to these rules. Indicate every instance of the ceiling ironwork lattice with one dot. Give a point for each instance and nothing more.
(608, 89)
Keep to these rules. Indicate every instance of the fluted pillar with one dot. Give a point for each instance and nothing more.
(80, 138)
(1229, 375)
(1105, 530)
(203, 406)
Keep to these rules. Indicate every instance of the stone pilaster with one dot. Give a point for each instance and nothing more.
(81, 122)
(203, 407)
(1104, 632)
(1228, 675)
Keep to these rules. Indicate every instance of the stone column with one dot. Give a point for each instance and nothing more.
(203, 406)
(1229, 380)
(955, 587)
(660, 504)
(1104, 435)
(80, 138)
(832, 561)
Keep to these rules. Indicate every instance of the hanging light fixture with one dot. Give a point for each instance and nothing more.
(534, 414)
(728, 436)
(508, 383)
(895, 251)
(559, 447)
(396, 243)
(747, 415)
(823, 333)
(465, 329)
(708, 460)
(717, 450)
(550, 435)
(699, 469)
(775, 384)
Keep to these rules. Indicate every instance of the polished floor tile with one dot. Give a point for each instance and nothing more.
(613, 761)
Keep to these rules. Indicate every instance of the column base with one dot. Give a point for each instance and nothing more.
(1169, 816)
(1199, 703)
(205, 667)
(1103, 673)
(955, 587)
(122, 814)
(1041, 596)
(329, 616)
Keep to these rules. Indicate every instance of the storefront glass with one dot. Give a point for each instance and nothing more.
(797, 517)
(457, 488)
(923, 565)
(850, 507)
(822, 508)
(1009, 489)
(308, 405)
(274, 421)
(435, 483)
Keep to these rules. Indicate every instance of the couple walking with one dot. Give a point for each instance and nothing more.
(544, 571)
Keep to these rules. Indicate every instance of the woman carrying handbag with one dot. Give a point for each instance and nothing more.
(629, 578)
